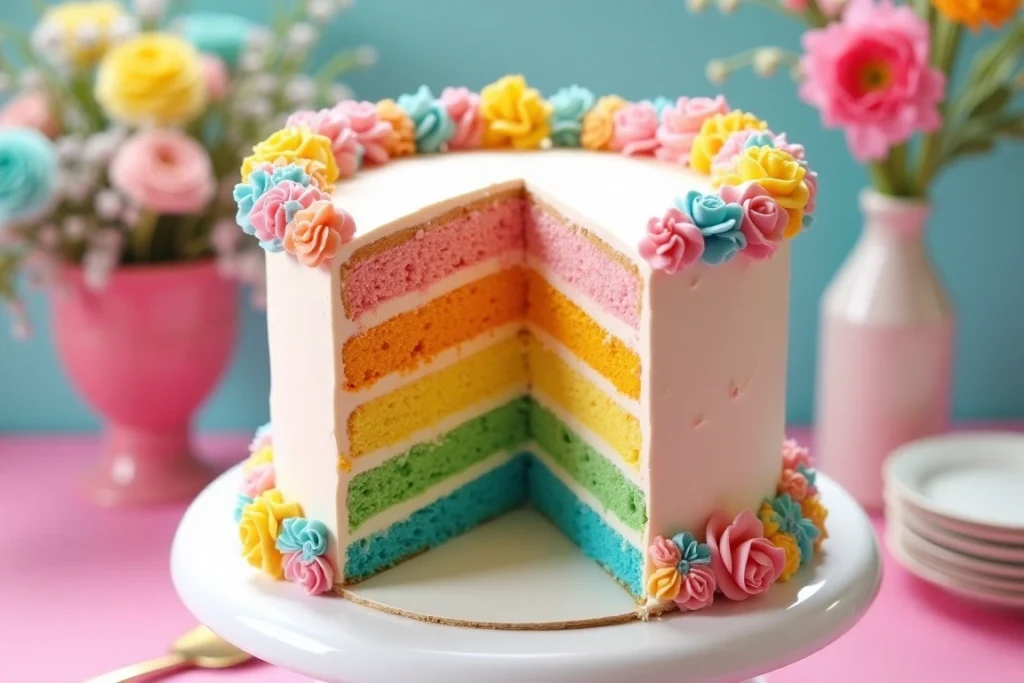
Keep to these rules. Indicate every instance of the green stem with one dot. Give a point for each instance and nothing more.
(815, 17)
(945, 48)
(142, 236)
(897, 166)
(881, 175)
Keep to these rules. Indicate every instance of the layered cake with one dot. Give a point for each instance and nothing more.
(574, 303)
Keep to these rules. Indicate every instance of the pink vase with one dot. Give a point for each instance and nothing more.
(145, 351)
(886, 349)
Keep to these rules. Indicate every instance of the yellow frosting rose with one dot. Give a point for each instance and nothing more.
(402, 141)
(73, 20)
(514, 114)
(293, 146)
(767, 516)
(789, 545)
(263, 456)
(715, 131)
(664, 583)
(779, 174)
(599, 123)
(813, 510)
(261, 522)
(153, 78)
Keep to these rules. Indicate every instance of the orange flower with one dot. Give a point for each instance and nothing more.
(599, 123)
(315, 234)
(974, 13)
(403, 138)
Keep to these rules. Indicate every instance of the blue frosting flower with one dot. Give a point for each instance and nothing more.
(261, 180)
(291, 207)
(568, 107)
(807, 221)
(791, 521)
(691, 552)
(718, 222)
(218, 33)
(760, 139)
(300, 535)
(241, 500)
(810, 474)
(28, 172)
(433, 125)
(660, 104)
(264, 431)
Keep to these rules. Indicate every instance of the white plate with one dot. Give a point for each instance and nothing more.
(976, 479)
(1004, 576)
(926, 528)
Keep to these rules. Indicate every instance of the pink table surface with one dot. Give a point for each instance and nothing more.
(84, 590)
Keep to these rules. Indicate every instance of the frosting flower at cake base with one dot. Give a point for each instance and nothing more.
(672, 242)
(259, 528)
(28, 173)
(316, 576)
(815, 512)
(258, 457)
(780, 175)
(974, 13)
(664, 553)
(745, 563)
(764, 221)
(794, 484)
(794, 455)
(463, 107)
(164, 171)
(430, 117)
(241, 500)
(636, 129)
(276, 208)
(788, 545)
(308, 537)
(680, 123)
(690, 583)
(713, 134)
(768, 518)
(870, 75)
(719, 223)
(337, 128)
(790, 520)
(292, 146)
(263, 437)
(402, 141)
(317, 232)
(373, 134)
(599, 123)
(569, 106)
(515, 114)
(258, 480)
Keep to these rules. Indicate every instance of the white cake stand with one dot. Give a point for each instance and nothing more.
(340, 641)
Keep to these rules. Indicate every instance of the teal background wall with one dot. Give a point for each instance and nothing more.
(636, 49)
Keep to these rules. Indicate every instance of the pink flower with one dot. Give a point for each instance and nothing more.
(736, 144)
(698, 588)
(258, 480)
(764, 221)
(277, 206)
(794, 455)
(664, 553)
(316, 577)
(371, 133)
(672, 242)
(315, 234)
(164, 171)
(30, 110)
(870, 75)
(811, 178)
(218, 79)
(636, 129)
(337, 128)
(744, 561)
(463, 107)
(681, 123)
(795, 484)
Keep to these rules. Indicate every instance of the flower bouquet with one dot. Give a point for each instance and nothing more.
(118, 152)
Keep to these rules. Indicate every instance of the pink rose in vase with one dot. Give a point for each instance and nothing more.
(743, 560)
(681, 123)
(672, 242)
(636, 129)
(463, 106)
(164, 171)
(764, 221)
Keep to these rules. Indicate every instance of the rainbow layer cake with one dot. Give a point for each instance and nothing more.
(574, 303)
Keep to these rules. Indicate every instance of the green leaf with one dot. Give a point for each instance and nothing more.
(993, 101)
(1012, 128)
(1000, 57)
(971, 146)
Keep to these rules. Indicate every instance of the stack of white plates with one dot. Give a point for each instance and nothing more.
(955, 514)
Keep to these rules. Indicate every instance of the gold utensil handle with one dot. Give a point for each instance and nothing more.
(136, 671)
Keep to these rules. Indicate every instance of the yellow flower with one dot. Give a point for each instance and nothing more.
(402, 142)
(153, 78)
(261, 522)
(813, 510)
(599, 123)
(293, 146)
(316, 170)
(75, 20)
(789, 545)
(767, 516)
(715, 131)
(664, 583)
(514, 114)
(973, 13)
(779, 174)
(263, 456)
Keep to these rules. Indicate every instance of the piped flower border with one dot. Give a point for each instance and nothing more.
(765, 191)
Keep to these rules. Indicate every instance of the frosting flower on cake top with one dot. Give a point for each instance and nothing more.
(515, 114)
(569, 106)
(434, 128)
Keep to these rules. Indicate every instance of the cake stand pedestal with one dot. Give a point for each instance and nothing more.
(342, 641)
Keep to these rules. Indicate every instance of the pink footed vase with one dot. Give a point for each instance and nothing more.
(144, 352)
(886, 349)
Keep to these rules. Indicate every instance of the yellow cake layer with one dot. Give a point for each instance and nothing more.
(395, 416)
(580, 398)
(557, 315)
(406, 341)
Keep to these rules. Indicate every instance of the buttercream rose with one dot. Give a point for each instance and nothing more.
(259, 528)
(745, 563)
(719, 223)
(30, 110)
(433, 125)
(317, 232)
(794, 455)
(569, 106)
(764, 221)
(292, 145)
(599, 123)
(276, 208)
(337, 128)
(316, 576)
(780, 175)
(680, 124)
(787, 544)
(664, 553)
(308, 537)
(402, 140)
(258, 480)
(153, 78)
(664, 583)
(463, 107)
(671, 242)
(794, 484)
(636, 129)
(515, 114)
(697, 589)
(164, 171)
(28, 173)
(715, 131)
(372, 133)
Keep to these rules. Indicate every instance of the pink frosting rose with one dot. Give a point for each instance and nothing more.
(698, 588)
(794, 455)
(726, 158)
(217, 76)
(664, 553)
(337, 128)
(164, 171)
(30, 110)
(743, 560)
(795, 484)
(681, 123)
(870, 75)
(463, 106)
(811, 179)
(371, 132)
(672, 242)
(763, 219)
(258, 480)
(316, 577)
(636, 129)
(270, 214)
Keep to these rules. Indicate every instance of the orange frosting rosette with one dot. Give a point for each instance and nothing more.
(599, 123)
(813, 510)
(293, 146)
(715, 131)
(780, 175)
(514, 114)
(402, 141)
(316, 233)
(787, 544)
(258, 530)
